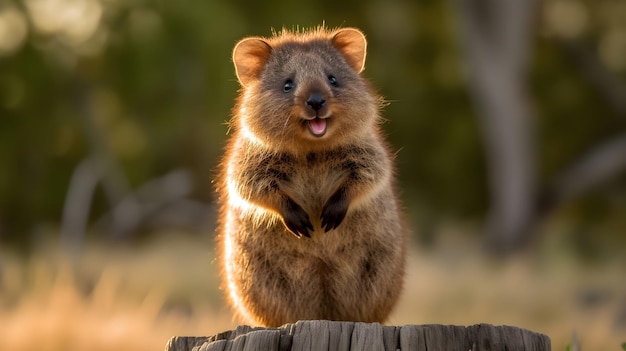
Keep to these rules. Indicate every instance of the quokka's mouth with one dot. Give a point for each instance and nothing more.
(317, 126)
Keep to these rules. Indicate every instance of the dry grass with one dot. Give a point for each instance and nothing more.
(557, 296)
(136, 298)
(110, 299)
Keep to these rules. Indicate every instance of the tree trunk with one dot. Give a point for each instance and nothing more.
(496, 37)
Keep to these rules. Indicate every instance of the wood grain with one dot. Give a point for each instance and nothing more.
(328, 335)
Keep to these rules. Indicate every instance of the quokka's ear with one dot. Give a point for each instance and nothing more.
(249, 57)
(352, 44)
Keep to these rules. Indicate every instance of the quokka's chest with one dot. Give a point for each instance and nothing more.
(312, 183)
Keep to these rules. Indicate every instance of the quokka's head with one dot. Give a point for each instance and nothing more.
(305, 88)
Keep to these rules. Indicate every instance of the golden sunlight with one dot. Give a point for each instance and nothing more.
(230, 274)
(567, 19)
(245, 129)
(72, 21)
(13, 30)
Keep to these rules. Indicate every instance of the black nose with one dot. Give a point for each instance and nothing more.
(316, 101)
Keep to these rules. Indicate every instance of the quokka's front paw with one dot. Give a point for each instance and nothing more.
(334, 211)
(296, 219)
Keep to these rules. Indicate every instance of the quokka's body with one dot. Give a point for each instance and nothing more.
(310, 224)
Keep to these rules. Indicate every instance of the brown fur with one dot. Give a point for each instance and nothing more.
(310, 225)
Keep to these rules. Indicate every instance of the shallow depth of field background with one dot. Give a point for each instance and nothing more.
(113, 118)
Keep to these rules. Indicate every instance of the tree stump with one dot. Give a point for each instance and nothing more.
(327, 335)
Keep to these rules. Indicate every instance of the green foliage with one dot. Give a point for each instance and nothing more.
(156, 79)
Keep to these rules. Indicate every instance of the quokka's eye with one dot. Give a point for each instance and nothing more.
(332, 80)
(288, 85)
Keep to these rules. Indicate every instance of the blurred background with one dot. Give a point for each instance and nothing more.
(509, 118)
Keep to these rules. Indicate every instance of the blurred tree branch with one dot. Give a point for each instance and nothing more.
(102, 166)
(77, 204)
(163, 196)
(129, 209)
(602, 162)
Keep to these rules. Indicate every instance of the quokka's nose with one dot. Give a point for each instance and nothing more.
(316, 101)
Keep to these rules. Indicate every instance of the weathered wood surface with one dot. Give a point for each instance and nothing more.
(327, 335)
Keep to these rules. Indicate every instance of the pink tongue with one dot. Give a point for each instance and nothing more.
(318, 126)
